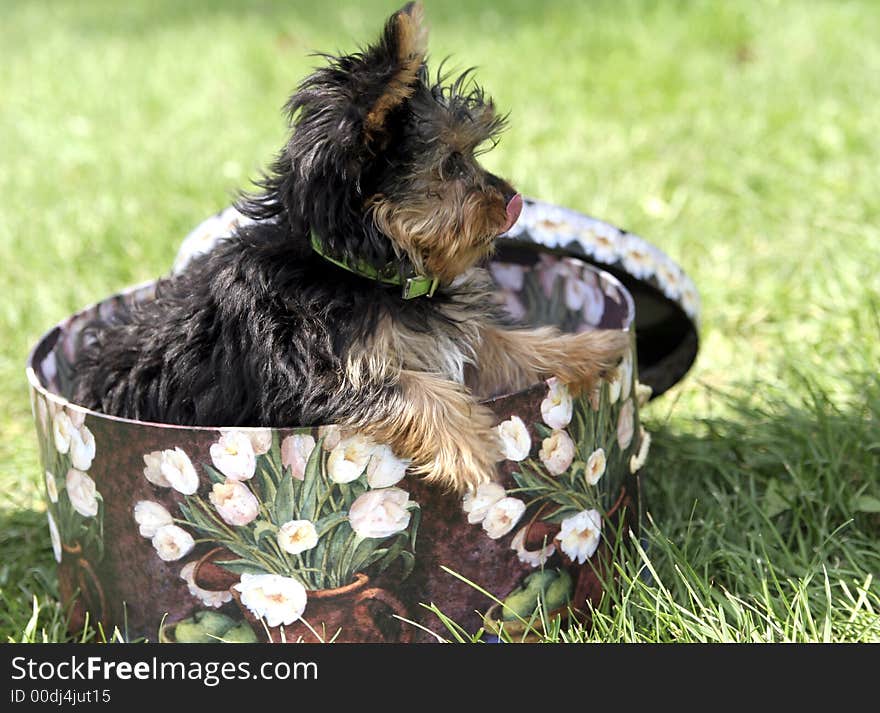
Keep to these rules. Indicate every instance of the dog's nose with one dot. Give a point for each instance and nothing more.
(514, 208)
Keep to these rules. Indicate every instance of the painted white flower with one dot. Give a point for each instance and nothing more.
(234, 502)
(172, 542)
(295, 453)
(513, 305)
(516, 444)
(507, 275)
(611, 288)
(534, 558)
(638, 257)
(625, 425)
(580, 535)
(557, 405)
(503, 516)
(76, 414)
(82, 448)
(669, 276)
(233, 455)
(637, 461)
(297, 536)
(208, 597)
(615, 384)
(690, 299)
(51, 487)
(385, 468)
(349, 458)
(582, 294)
(261, 439)
(55, 405)
(594, 301)
(575, 292)
(557, 452)
(177, 470)
(601, 241)
(279, 600)
(331, 435)
(82, 493)
(62, 431)
(380, 513)
(643, 393)
(150, 516)
(55, 537)
(595, 466)
(625, 370)
(477, 503)
(153, 469)
(42, 413)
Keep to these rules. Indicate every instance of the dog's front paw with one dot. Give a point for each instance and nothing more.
(461, 465)
(590, 356)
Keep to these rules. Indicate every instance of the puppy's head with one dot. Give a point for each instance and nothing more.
(381, 164)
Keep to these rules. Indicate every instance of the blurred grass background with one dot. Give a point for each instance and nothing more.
(741, 138)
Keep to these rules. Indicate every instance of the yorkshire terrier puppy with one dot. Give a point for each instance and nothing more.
(357, 297)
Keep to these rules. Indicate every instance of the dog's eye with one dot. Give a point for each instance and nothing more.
(453, 166)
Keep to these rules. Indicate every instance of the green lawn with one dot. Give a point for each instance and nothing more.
(740, 137)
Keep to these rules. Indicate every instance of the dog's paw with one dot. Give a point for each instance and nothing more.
(463, 464)
(590, 356)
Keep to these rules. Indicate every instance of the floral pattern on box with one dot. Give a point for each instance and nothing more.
(285, 519)
(558, 227)
(74, 506)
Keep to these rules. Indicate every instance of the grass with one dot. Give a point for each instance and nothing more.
(739, 137)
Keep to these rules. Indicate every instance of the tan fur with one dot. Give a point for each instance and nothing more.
(432, 416)
(412, 42)
(437, 423)
(445, 350)
(447, 240)
(512, 359)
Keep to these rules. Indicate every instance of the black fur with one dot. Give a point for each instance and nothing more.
(255, 333)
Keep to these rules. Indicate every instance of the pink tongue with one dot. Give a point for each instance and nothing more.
(514, 208)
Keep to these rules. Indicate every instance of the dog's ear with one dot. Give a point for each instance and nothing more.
(354, 96)
(342, 116)
(395, 63)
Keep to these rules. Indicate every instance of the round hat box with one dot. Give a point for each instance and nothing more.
(186, 534)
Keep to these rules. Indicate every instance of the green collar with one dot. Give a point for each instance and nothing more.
(414, 286)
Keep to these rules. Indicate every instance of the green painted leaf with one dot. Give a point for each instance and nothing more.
(247, 535)
(408, 562)
(264, 529)
(328, 522)
(241, 549)
(284, 501)
(308, 503)
(274, 453)
(542, 430)
(358, 488)
(241, 566)
(266, 481)
(414, 522)
(365, 554)
(344, 552)
(214, 475)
